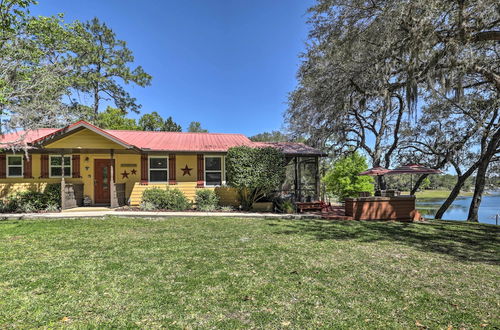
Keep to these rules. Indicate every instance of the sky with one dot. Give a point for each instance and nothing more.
(228, 64)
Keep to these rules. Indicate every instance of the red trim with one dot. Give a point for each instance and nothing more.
(3, 166)
(27, 167)
(201, 172)
(171, 169)
(44, 166)
(144, 169)
(75, 168)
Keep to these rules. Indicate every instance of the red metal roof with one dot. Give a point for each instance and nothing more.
(181, 141)
(20, 138)
(161, 141)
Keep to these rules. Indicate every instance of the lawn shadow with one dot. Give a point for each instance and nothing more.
(464, 241)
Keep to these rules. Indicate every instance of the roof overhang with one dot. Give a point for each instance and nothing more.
(63, 132)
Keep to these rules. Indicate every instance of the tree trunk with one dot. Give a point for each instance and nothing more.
(96, 104)
(481, 177)
(478, 193)
(451, 198)
(456, 190)
(381, 182)
(418, 183)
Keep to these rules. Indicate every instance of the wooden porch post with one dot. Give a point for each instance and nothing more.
(63, 183)
(318, 197)
(296, 181)
(112, 189)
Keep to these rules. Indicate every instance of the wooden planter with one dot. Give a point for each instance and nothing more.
(381, 208)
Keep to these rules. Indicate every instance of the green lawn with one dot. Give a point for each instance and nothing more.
(438, 193)
(238, 273)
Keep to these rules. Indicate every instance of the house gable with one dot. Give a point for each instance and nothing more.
(84, 139)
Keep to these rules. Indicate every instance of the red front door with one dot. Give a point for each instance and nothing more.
(102, 180)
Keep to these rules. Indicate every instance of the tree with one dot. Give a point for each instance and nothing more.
(154, 122)
(102, 67)
(33, 69)
(254, 172)
(364, 53)
(114, 118)
(151, 122)
(273, 136)
(195, 127)
(170, 126)
(342, 180)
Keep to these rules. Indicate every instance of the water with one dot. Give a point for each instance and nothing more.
(490, 206)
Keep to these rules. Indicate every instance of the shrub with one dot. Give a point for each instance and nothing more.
(283, 205)
(53, 194)
(33, 201)
(206, 199)
(255, 172)
(164, 199)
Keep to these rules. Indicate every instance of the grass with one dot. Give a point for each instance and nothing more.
(438, 193)
(240, 273)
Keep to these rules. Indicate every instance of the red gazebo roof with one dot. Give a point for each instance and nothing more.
(379, 170)
(413, 169)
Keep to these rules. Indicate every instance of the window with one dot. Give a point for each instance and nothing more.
(213, 171)
(14, 166)
(58, 166)
(158, 169)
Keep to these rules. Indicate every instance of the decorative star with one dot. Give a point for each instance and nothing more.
(186, 170)
(134, 171)
(125, 174)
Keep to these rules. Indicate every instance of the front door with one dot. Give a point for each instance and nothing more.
(102, 180)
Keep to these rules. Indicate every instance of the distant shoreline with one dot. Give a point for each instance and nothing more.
(440, 194)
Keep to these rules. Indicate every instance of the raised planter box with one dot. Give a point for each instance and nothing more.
(382, 208)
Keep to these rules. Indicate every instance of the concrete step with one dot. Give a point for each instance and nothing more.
(87, 209)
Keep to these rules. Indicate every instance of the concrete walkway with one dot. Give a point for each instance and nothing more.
(145, 214)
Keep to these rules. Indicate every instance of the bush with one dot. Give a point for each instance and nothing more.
(164, 199)
(206, 200)
(33, 201)
(53, 194)
(255, 172)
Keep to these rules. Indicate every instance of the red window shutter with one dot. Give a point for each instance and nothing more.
(27, 167)
(75, 167)
(171, 169)
(44, 166)
(144, 169)
(3, 166)
(201, 172)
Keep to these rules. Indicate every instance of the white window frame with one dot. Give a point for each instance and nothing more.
(157, 169)
(22, 166)
(62, 166)
(222, 170)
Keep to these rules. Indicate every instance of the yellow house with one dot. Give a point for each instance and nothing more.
(114, 167)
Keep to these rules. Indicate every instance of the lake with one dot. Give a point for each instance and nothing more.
(490, 206)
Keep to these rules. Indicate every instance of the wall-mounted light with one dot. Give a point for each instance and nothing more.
(87, 168)
(87, 159)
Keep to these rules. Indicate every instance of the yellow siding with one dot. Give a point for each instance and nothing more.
(84, 139)
(133, 188)
(181, 162)
(10, 186)
(87, 171)
(188, 188)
